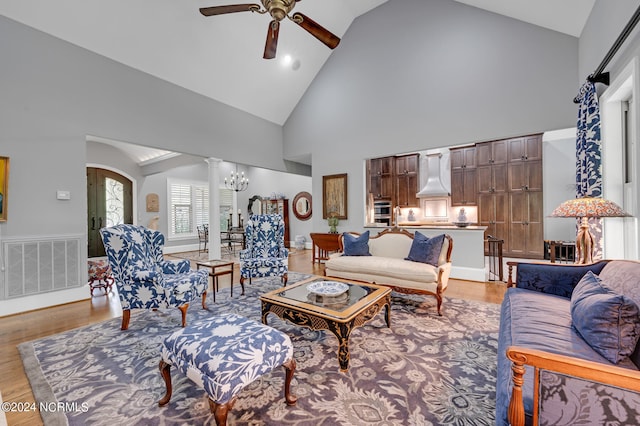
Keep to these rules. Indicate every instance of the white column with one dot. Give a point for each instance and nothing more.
(214, 208)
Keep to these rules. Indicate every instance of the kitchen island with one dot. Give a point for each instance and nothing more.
(467, 257)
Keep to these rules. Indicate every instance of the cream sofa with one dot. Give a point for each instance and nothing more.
(386, 265)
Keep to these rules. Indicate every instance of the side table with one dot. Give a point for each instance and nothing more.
(218, 268)
(323, 245)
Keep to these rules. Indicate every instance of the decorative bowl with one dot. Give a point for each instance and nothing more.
(461, 224)
(327, 288)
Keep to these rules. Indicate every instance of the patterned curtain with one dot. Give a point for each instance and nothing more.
(589, 157)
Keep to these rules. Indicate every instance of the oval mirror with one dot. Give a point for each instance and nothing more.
(302, 205)
(255, 205)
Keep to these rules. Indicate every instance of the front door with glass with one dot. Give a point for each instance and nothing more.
(109, 203)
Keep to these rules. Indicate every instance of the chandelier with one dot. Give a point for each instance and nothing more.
(236, 182)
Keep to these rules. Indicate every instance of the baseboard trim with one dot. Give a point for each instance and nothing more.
(469, 274)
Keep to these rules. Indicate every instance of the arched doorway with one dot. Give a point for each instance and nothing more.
(109, 202)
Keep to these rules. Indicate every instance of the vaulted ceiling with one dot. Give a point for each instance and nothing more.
(221, 56)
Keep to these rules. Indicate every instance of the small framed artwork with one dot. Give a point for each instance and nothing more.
(334, 196)
(153, 203)
(4, 187)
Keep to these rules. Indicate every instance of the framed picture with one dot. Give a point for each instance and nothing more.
(4, 186)
(334, 196)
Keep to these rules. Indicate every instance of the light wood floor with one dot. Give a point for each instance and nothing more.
(24, 327)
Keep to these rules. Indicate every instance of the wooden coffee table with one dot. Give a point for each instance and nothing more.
(340, 315)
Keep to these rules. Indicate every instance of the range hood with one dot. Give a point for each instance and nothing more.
(434, 186)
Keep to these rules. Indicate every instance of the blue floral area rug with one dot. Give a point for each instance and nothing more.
(424, 370)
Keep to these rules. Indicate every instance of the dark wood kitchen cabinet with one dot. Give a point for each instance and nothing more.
(509, 193)
(406, 179)
(381, 178)
(526, 236)
(464, 188)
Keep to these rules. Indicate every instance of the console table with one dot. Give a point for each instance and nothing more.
(323, 245)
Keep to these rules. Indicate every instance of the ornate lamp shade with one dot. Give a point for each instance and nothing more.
(585, 208)
(589, 207)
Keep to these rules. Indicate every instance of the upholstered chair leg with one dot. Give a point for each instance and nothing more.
(126, 316)
(165, 371)
(290, 368)
(220, 411)
(439, 299)
(183, 309)
(204, 299)
(284, 278)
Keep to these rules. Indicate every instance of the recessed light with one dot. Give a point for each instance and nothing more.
(287, 60)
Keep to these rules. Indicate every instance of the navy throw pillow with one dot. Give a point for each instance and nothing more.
(425, 249)
(356, 246)
(607, 321)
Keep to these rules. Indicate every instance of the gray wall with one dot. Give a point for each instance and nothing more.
(408, 76)
(54, 94)
(603, 27)
(412, 75)
(101, 154)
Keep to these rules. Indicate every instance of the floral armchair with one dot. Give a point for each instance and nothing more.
(143, 278)
(265, 254)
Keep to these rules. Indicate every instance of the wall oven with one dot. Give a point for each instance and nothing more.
(382, 212)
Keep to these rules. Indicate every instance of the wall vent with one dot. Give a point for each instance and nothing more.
(40, 266)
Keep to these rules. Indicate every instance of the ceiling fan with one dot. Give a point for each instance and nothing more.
(278, 9)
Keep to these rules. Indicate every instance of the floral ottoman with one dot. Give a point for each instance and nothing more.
(222, 355)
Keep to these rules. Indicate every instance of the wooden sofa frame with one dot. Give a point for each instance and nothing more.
(406, 290)
(610, 375)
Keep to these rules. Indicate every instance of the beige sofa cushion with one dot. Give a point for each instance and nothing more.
(398, 246)
(384, 267)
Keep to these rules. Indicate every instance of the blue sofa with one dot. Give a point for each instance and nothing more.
(540, 337)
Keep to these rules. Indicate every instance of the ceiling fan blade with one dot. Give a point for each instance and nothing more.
(316, 30)
(271, 44)
(232, 8)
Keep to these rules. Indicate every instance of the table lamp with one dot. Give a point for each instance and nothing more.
(585, 208)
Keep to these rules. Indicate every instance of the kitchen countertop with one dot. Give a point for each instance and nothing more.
(426, 225)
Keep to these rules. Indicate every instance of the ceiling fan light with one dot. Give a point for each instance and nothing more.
(278, 14)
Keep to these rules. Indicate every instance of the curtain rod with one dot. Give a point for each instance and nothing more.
(598, 75)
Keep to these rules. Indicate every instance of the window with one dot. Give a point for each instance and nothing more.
(201, 204)
(226, 207)
(188, 207)
(626, 142)
(114, 200)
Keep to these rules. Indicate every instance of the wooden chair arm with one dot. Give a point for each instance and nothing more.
(541, 360)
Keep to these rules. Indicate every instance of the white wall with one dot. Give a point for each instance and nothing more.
(559, 180)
